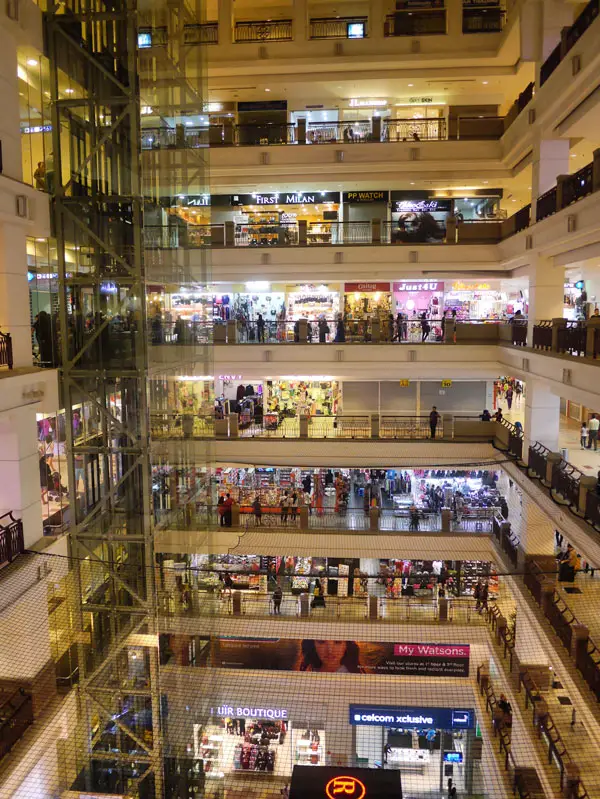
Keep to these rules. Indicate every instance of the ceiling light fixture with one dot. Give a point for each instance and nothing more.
(32, 62)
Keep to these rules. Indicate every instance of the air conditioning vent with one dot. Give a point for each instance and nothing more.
(265, 158)
(339, 355)
(412, 355)
(567, 377)
(415, 153)
(262, 52)
(576, 65)
(22, 206)
(338, 49)
(265, 257)
(571, 223)
(415, 46)
(413, 257)
(531, 116)
(12, 10)
(529, 242)
(268, 355)
(338, 258)
(525, 364)
(339, 156)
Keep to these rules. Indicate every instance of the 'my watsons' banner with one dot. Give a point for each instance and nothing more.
(352, 657)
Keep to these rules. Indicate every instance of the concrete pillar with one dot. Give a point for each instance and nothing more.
(375, 330)
(531, 30)
(374, 425)
(585, 484)
(303, 331)
(19, 470)
(376, 231)
(374, 520)
(557, 324)
(373, 605)
(303, 513)
(300, 20)
(234, 429)
(236, 603)
(596, 171)
(554, 17)
(303, 606)
(229, 234)
(304, 421)
(222, 428)
(226, 22)
(302, 232)
(579, 639)
(14, 290)
(235, 515)
(454, 10)
(443, 607)
(301, 131)
(592, 326)
(446, 520)
(232, 331)
(376, 128)
(550, 159)
(376, 19)
(220, 333)
(542, 416)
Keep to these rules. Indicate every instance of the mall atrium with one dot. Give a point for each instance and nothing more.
(299, 399)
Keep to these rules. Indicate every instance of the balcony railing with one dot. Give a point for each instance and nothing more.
(418, 22)
(6, 351)
(351, 132)
(482, 19)
(578, 185)
(546, 205)
(578, 339)
(573, 34)
(519, 104)
(208, 33)
(11, 538)
(16, 715)
(279, 30)
(479, 128)
(337, 28)
(395, 130)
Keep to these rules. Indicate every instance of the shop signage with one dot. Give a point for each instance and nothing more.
(419, 285)
(362, 102)
(343, 782)
(351, 657)
(37, 129)
(249, 712)
(446, 383)
(420, 100)
(196, 200)
(285, 198)
(357, 197)
(264, 105)
(460, 286)
(366, 287)
(404, 382)
(423, 206)
(230, 377)
(440, 718)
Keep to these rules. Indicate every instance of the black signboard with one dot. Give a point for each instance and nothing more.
(358, 197)
(287, 198)
(333, 782)
(265, 105)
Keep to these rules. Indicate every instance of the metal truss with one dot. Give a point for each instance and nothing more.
(97, 217)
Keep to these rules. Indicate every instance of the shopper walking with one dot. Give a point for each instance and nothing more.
(509, 397)
(425, 327)
(340, 333)
(434, 419)
(294, 506)
(583, 436)
(443, 326)
(277, 597)
(484, 597)
(477, 595)
(221, 510)
(414, 518)
(593, 425)
(257, 511)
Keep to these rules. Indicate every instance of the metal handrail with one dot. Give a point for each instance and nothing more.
(6, 350)
(11, 538)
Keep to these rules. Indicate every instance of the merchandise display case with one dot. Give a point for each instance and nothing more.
(309, 747)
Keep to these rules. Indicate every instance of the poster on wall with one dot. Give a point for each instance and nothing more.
(351, 657)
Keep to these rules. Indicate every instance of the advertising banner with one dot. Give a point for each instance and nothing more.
(351, 657)
(366, 287)
(438, 718)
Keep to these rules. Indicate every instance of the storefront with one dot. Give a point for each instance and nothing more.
(364, 206)
(418, 216)
(428, 745)
(237, 738)
(476, 300)
(415, 297)
(272, 219)
(302, 397)
(366, 300)
(313, 302)
(576, 301)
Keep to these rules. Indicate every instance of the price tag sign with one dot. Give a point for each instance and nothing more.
(404, 382)
(446, 383)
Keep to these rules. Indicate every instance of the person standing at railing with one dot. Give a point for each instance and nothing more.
(340, 333)
(277, 597)
(498, 416)
(443, 325)
(323, 330)
(583, 436)
(425, 328)
(434, 419)
(285, 504)
(414, 518)
(593, 425)
(227, 505)
(260, 329)
(257, 511)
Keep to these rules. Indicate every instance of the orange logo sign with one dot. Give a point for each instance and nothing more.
(345, 788)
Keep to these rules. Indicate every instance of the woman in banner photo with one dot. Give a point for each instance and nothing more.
(329, 656)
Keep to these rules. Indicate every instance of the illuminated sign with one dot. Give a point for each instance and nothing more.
(439, 718)
(287, 198)
(230, 377)
(422, 206)
(420, 100)
(37, 129)
(249, 712)
(199, 200)
(460, 286)
(368, 287)
(419, 285)
(359, 102)
(356, 197)
(345, 786)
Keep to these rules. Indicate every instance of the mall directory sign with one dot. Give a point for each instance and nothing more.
(437, 718)
(329, 782)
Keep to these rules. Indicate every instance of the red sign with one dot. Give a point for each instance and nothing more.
(346, 787)
(366, 287)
